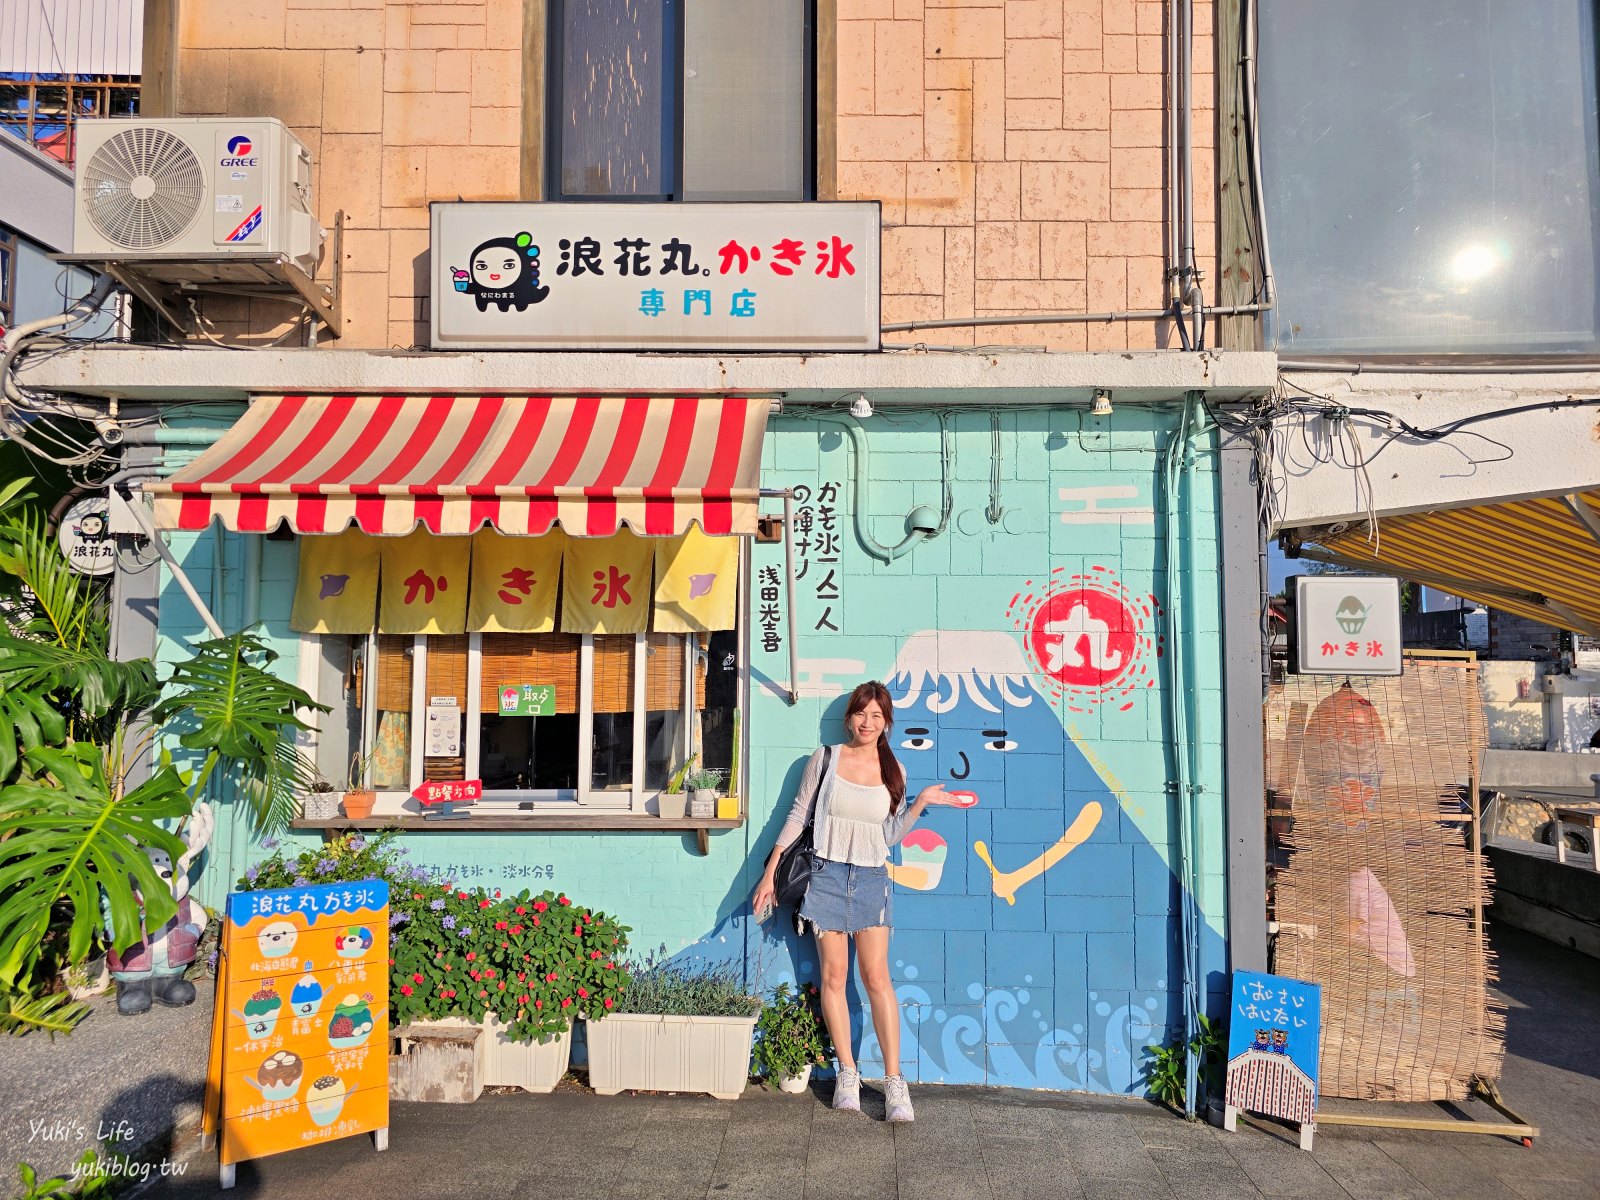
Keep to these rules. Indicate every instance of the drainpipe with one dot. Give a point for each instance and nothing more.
(920, 517)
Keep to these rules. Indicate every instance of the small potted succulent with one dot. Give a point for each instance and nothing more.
(359, 797)
(321, 802)
(702, 785)
(791, 1038)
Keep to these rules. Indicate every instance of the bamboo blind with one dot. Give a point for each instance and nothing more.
(447, 676)
(1379, 896)
(613, 673)
(539, 658)
(394, 672)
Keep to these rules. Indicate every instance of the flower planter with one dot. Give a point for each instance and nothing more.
(727, 808)
(532, 1066)
(670, 1054)
(320, 806)
(673, 806)
(795, 1083)
(358, 805)
(703, 804)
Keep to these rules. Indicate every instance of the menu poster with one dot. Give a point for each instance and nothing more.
(300, 1035)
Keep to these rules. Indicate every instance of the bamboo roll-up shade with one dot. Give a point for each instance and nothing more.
(663, 671)
(537, 658)
(394, 672)
(447, 667)
(613, 673)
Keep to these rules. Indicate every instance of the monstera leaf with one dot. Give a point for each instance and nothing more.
(43, 686)
(68, 835)
(242, 717)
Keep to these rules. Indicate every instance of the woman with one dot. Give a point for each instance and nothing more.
(859, 790)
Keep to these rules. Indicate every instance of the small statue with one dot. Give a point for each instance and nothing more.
(152, 969)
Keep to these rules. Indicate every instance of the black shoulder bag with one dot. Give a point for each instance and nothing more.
(798, 862)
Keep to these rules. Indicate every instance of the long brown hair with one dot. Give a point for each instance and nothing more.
(874, 692)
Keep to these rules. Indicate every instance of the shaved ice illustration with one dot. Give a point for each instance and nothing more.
(351, 1022)
(921, 865)
(279, 1074)
(325, 1098)
(261, 1012)
(700, 585)
(1351, 614)
(332, 585)
(306, 997)
(353, 942)
(277, 939)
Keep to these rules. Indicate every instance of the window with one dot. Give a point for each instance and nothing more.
(621, 715)
(1432, 175)
(679, 100)
(8, 277)
(42, 110)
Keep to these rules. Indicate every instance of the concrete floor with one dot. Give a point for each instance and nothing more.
(975, 1142)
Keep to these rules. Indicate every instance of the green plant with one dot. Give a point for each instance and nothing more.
(1168, 1070)
(658, 985)
(790, 1033)
(94, 1177)
(360, 772)
(676, 783)
(535, 962)
(703, 778)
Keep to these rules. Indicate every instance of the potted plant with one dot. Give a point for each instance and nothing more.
(673, 804)
(358, 797)
(680, 1027)
(702, 784)
(321, 801)
(728, 806)
(519, 968)
(791, 1038)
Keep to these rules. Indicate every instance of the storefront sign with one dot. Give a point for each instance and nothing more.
(655, 276)
(300, 1035)
(1274, 1036)
(1347, 625)
(528, 700)
(448, 791)
(442, 730)
(85, 537)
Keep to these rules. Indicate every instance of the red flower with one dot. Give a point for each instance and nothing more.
(611, 966)
(416, 895)
(391, 962)
(522, 1000)
(522, 977)
(562, 900)
(520, 910)
(483, 994)
(608, 1001)
(475, 974)
(497, 893)
(527, 957)
(417, 978)
(516, 929)
(550, 978)
(583, 992)
(594, 954)
(472, 955)
(585, 918)
(538, 1003)
(501, 985)
(539, 906)
(485, 903)
(501, 924)
(567, 1003)
(461, 895)
(405, 989)
(488, 973)
(577, 931)
(536, 920)
(447, 966)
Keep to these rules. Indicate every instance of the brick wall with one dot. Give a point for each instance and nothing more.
(399, 103)
(1017, 148)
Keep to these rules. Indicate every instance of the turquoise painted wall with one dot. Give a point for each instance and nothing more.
(1055, 517)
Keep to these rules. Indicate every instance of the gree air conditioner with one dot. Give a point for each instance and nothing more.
(208, 188)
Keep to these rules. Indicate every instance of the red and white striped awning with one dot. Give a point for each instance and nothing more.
(453, 464)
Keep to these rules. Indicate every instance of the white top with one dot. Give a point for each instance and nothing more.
(853, 824)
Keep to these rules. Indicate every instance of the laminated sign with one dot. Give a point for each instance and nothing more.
(300, 1036)
(1274, 1035)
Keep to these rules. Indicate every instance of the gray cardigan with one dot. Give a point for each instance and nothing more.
(895, 826)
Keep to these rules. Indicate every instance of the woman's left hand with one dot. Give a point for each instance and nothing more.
(934, 793)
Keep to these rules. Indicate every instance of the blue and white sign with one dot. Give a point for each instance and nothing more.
(1274, 1037)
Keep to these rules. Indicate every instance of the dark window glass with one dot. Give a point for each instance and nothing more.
(1432, 175)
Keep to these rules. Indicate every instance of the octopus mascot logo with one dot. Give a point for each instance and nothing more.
(503, 271)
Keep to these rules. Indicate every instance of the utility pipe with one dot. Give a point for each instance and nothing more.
(862, 481)
(789, 589)
(136, 507)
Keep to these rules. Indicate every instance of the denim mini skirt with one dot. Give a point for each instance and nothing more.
(843, 898)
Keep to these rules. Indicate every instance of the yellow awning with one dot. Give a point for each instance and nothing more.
(1537, 558)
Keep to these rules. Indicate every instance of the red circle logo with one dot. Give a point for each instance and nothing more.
(1083, 637)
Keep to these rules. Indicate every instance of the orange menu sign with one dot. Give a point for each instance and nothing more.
(300, 1036)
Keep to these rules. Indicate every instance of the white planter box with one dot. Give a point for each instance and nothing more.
(670, 1054)
(533, 1066)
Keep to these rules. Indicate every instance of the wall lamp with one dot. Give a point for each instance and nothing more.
(1102, 403)
(861, 407)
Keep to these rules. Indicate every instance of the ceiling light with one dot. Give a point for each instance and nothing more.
(1102, 403)
(861, 407)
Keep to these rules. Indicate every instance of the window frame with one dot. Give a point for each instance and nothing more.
(554, 46)
(8, 276)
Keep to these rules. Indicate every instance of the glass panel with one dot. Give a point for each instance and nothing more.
(618, 93)
(447, 680)
(663, 732)
(744, 101)
(529, 752)
(612, 768)
(1432, 174)
(391, 764)
(717, 698)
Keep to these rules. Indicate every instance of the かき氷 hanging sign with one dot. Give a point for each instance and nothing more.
(300, 1035)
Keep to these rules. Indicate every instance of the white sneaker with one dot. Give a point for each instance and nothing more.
(847, 1091)
(897, 1099)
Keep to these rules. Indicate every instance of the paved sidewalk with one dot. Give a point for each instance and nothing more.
(976, 1142)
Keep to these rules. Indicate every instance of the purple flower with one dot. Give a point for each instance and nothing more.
(436, 905)
(252, 873)
(419, 873)
(399, 918)
(467, 932)
(211, 961)
(449, 922)
(300, 881)
(324, 865)
(269, 843)
(358, 842)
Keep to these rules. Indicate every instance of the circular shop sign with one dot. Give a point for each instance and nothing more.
(85, 537)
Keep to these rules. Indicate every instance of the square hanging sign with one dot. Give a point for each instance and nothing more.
(528, 700)
(1345, 625)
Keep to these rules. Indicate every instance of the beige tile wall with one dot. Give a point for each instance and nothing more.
(1016, 146)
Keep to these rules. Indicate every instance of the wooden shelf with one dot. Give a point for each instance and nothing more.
(532, 823)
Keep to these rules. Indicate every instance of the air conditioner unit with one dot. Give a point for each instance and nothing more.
(201, 187)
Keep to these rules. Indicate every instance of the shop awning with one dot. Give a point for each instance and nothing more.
(1537, 558)
(454, 464)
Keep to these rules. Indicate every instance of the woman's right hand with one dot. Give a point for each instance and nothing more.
(765, 898)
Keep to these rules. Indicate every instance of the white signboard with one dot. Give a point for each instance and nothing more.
(84, 536)
(608, 276)
(442, 730)
(1347, 624)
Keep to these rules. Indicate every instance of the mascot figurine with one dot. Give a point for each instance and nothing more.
(152, 968)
